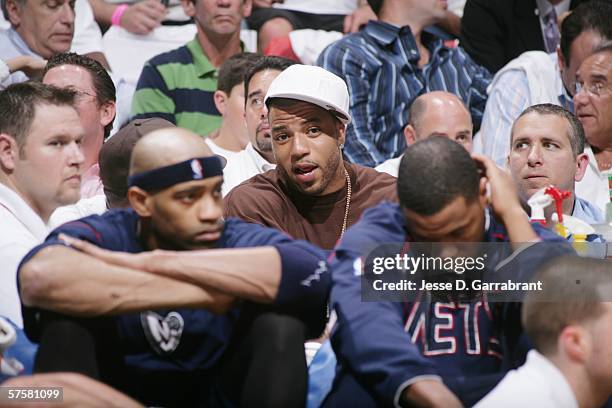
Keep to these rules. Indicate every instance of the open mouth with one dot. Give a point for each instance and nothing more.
(305, 173)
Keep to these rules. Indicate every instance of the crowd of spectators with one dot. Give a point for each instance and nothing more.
(207, 202)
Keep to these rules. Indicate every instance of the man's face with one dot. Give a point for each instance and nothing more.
(581, 48)
(46, 26)
(599, 361)
(91, 114)
(306, 141)
(452, 122)
(594, 110)
(49, 165)
(234, 113)
(256, 115)
(459, 221)
(541, 155)
(188, 215)
(218, 17)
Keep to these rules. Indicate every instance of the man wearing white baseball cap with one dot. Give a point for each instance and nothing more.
(313, 194)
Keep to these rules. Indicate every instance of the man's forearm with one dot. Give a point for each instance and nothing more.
(518, 227)
(249, 273)
(66, 281)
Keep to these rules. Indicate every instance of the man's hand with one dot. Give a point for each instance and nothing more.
(31, 66)
(360, 17)
(143, 17)
(504, 197)
(429, 393)
(139, 261)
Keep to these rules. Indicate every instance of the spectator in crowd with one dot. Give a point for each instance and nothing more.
(41, 165)
(547, 148)
(313, 194)
(257, 157)
(536, 77)
(232, 136)
(136, 17)
(148, 328)
(442, 199)
(494, 32)
(387, 65)
(87, 38)
(179, 85)
(115, 159)
(37, 30)
(568, 323)
(276, 19)
(593, 101)
(434, 113)
(95, 105)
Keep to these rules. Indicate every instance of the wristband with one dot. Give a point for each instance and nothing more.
(118, 13)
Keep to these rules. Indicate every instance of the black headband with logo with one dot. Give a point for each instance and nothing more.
(189, 170)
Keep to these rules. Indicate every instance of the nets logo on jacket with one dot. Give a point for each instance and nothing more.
(163, 333)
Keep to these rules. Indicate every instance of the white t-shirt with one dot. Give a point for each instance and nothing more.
(21, 229)
(537, 383)
(82, 208)
(244, 165)
(319, 6)
(390, 166)
(219, 150)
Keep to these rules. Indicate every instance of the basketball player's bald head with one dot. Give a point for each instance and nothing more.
(167, 146)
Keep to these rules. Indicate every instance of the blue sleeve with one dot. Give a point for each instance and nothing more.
(369, 338)
(305, 278)
(480, 80)
(340, 59)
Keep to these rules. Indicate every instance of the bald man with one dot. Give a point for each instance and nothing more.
(116, 297)
(435, 113)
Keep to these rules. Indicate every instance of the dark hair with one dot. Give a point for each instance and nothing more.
(18, 103)
(562, 301)
(233, 71)
(376, 5)
(100, 79)
(264, 63)
(575, 132)
(594, 16)
(433, 172)
(5, 9)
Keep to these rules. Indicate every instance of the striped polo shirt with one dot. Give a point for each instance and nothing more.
(179, 86)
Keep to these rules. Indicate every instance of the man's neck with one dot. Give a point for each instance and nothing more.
(225, 139)
(269, 156)
(10, 183)
(584, 389)
(399, 15)
(603, 157)
(218, 48)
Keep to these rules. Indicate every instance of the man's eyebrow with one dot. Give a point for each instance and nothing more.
(254, 93)
(599, 77)
(279, 127)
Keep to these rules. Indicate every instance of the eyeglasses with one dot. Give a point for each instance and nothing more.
(596, 89)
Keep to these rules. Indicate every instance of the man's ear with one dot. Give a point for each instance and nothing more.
(14, 10)
(575, 343)
(483, 190)
(221, 98)
(8, 152)
(341, 131)
(582, 162)
(140, 201)
(409, 134)
(189, 7)
(560, 60)
(108, 112)
(247, 8)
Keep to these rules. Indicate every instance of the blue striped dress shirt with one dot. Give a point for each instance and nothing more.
(380, 67)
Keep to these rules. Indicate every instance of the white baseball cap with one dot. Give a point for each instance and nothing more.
(314, 85)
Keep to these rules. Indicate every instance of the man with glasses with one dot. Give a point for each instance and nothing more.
(593, 102)
(95, 104)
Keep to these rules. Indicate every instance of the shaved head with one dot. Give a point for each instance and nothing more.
(435, 103)
(164, 147)
(439, 114)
